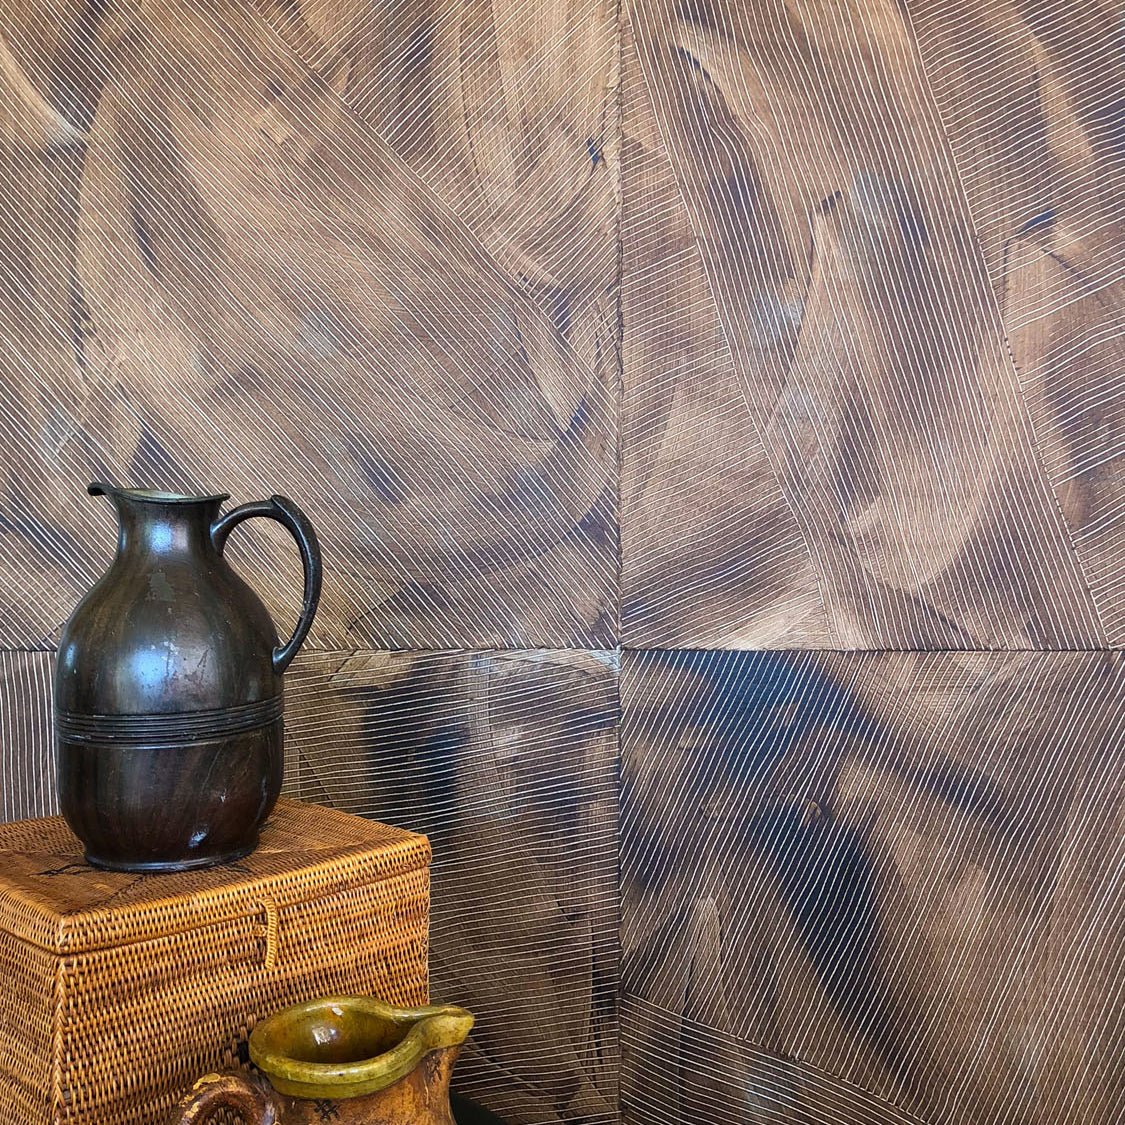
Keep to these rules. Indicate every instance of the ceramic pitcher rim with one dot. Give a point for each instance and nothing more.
(153, 495)
(430, 1028)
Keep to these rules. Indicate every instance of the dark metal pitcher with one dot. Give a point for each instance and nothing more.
(168, 690)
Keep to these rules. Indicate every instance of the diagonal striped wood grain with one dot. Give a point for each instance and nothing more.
(1031, 99)
(711, 551)
(27, 759)
(675, 1069)
(837, 254)
(901, 869)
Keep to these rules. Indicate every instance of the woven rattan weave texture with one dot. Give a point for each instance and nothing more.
(117, 991)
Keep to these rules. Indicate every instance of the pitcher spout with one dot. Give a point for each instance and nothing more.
(348, 1059)
(350, 1046)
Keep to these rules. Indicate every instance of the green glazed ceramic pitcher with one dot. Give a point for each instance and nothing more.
(351, 1060)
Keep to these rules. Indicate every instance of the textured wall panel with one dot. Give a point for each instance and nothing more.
(44, 536)
(27, 754)
(677, 1070)
(249, 286)
(837, 257)
(1031, 98)
(903, 870)
(508, 761)
(711, 552)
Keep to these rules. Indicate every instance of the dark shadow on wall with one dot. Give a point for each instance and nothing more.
(467, 1112)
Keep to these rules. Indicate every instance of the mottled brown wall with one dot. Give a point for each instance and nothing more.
(712, 413)
(364, 255)
(872, 420)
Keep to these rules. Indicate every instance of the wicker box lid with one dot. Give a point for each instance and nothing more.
(51, 898)
(117, 991)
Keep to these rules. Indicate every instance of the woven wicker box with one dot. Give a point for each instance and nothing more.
(118, 991)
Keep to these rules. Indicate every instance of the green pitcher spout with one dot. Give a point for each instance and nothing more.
(348, 1046)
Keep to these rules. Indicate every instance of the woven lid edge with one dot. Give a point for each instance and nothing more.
(31, 918)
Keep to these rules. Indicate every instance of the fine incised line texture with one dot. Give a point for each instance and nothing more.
(720, 402)
(830, 267)
(902, 869)
(229, 274)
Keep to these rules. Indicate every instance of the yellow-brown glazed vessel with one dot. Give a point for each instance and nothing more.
(351, 1060)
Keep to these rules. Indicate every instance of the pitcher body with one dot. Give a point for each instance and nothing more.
(168, 689)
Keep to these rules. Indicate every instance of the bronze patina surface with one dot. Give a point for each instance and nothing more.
(168, 690)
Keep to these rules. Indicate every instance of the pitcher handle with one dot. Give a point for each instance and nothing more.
(252, 1101)
(297, 523)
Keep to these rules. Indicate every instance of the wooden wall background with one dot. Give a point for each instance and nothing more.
(713, 414)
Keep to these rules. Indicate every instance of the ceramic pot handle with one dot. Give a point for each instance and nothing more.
(214, 1092)
(297, 523)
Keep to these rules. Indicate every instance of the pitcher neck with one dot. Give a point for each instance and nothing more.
(160, 523)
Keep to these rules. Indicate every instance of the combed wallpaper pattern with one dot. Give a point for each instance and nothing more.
(712, 413)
